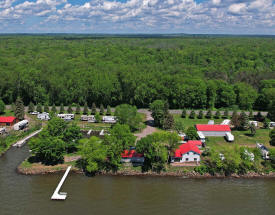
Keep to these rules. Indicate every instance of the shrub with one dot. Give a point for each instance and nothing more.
(200, 116)
(208, 114)
(192, 115)
(183, 113)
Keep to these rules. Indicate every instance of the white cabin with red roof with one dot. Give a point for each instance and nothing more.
(213, 130)
(187, 152)
(131, 156)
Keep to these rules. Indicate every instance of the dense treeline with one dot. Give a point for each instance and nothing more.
(187, 72)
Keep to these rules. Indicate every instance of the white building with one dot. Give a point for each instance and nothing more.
(66, 116)
(43, 116)
(187, 152)
(213, 130)
(21, 125)
(226, 122)
(109, 119)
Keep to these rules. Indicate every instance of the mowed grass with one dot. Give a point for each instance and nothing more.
(242, 138)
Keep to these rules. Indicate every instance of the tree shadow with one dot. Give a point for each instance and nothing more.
(150, 123)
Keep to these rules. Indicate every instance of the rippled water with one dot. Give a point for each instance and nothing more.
(27, 195)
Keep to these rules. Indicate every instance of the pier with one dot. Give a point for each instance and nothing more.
(62, 195)
(20, 143)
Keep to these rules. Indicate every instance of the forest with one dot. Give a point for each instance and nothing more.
(188, 72)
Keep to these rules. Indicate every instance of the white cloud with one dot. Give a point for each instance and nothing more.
(237, 8)
(146, 15)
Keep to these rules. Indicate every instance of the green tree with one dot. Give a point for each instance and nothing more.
(62, 110)
(235, 120)
(159, 112)
(183, 114)
(39, 108)
(71, 136)
(271, 112)
(200, 116)
(31, 107)
(191, 133)
(93, 109)
(19, 109)
(93, 155)
(192, 115)
(272, 137)
(246, 96)
(46, 108)
(225, 114)
(259, 116)
(253, 129)
(208, 114)
(266, 123)
(85, 110)
(109, 112)
(53, 108)
(179, 125)
(168, 122)
(56, 127)
(120, 138)
(251, 115)
(244, 121)
(47, 149)
(97, 117)
(78, 109)
(70, 110)
(218, 114)
(2, 106)
(155, 152)
(101, 110)
(127, 114)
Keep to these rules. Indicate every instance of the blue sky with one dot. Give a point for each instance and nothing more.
(138, 16)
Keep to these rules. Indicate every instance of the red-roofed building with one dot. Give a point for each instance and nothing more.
(213, 130)
(7, 120)
(187, 152)
(131, 156)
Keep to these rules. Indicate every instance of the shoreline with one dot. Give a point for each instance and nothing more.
(61, 168)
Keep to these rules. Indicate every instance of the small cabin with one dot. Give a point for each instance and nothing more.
(7, 120)
(131, 156)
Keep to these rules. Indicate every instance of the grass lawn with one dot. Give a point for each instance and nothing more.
(242, 138)
(192, 122)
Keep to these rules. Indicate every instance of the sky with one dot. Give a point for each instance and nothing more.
(138, 16)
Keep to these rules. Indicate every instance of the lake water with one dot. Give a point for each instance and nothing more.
(27, 195)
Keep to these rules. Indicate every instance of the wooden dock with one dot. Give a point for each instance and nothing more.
(61, 195)
(20, 143)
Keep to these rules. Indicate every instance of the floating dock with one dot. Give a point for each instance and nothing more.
(61, 195)
(20, 143)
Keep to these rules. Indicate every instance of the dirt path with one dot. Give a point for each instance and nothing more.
(149, 127)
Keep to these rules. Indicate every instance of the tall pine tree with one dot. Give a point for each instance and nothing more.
(19, 109)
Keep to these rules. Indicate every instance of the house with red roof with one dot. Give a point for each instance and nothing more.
(131, 156)
(7, 120)
(187, 152)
